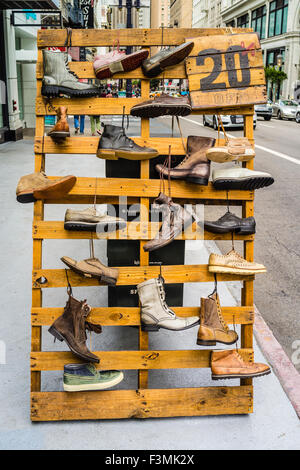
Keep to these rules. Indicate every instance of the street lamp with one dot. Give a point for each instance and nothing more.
(279, 60)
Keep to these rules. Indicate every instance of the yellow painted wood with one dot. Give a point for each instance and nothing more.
(192, 68)
(215, 99)
(257, 78)
(247, 39)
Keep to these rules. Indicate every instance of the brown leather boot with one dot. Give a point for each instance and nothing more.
(195, 168)
(39, 186)
(230, 365)
(93, 268)
(61, 129)
(213, 328)
(175, 220)
(71, 325)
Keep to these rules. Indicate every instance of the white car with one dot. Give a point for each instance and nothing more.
(285, 109)
(235, 121)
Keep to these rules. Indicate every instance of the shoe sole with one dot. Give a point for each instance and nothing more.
(244, 184)
(214, 343)
(53, 331)
(228, 270)
(169, 61)
(222, 157)
(94, 227)
(190, 179)
(235, 229)
(108, 280)
(167, 242)
(54, 91)
(94, 387)
(58, 135)
(240, 376)
(157, 110)
(110, 154)
(25, 198)
(157, 328)
(56, 190)
(127, 64)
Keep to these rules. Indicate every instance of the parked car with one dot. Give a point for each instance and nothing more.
(298, 115)
(285, 109)
(264, 110)
(235, 121)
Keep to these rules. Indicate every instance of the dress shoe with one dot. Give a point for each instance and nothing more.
(241, 178)
(163, 105)
(231, 223)
(233, 263)
(238, 150)
(90, 220)
(166, 58)
(93, 268)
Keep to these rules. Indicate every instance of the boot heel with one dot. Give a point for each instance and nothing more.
(55, 333)
(245, 231)
(200, 181)
(109, 281)
(150, 328)
(200, 342)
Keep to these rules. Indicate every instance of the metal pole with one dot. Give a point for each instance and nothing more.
(129, 49)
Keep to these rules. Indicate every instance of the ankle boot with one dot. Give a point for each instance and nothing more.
(230, 365)
(71, 325)
(61, 129)
(155, 313)
(195, 168)
(213, 328)
(59, 79)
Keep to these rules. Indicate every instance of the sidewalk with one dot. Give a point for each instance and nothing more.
(274, 424)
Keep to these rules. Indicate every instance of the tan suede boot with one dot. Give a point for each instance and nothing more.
(230, 365)
(39, 186)
(61, 129)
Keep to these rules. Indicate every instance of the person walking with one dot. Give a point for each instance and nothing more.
(76, 124)
(95, 125)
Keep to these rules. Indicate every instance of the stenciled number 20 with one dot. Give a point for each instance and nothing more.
(209, 84)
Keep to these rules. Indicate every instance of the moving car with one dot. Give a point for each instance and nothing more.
(285, 109)
(264, 110)
(235, 121)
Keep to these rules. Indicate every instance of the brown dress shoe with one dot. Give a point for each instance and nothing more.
(175, 220)
(163, 105)
(61, 129)
(230, 365)
(39, 186)
(233, 263)
(195, 168)
(70, 327)
(213, 328)
(93, 268)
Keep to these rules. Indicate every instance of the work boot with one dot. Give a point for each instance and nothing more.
(37, 186)
(61, 129)
(241, 178)
(213, 328)
(59, 79)
(71, 325)
(163, 105)
(233, 263)
(195, 168)
(237, 150)
(85, 377)
(106, 65)
(166, 58)
(93, 268)
(230, 365)
(90, 220)
(115, 144)
(175, 221)
(155, 313)
(232, 223)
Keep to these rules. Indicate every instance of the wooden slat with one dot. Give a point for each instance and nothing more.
(257, 78)
(255, 61)
(124, 404)
(125, 316)
(217, 98)
(135, 275)
(131, 360)
(248, 38)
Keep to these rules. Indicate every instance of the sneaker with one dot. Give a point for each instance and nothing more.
(85, 377)
(241, 178)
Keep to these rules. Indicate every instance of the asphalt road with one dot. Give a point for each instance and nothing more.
(277, 213)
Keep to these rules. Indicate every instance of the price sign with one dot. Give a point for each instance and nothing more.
(226, 71)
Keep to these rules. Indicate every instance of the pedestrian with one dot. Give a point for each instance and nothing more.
(76, 124)
(95, 124)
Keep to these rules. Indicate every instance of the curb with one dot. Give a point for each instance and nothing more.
(284, 369)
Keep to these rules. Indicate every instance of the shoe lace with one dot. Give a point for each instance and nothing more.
(221, 318)
(68, 69)
(162, 294)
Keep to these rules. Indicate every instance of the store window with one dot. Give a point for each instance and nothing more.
(278, 17)
(243, 21)
(272, 56)
(259, 17)
(231, 24)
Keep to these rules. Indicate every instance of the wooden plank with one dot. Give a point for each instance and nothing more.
(130, 316)
(257, 78)
(134, 275)
(124, 404)
(131, 360)
(233, 62)
(237, 97)
(247, 40)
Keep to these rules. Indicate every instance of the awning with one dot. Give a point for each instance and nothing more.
(29, 4)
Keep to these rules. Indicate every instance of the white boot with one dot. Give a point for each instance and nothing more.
(155, 313)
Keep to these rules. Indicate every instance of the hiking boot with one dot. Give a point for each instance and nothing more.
(241, 178)
(90, 220)
(61, 129)
(233, 263)
(37, 186)
(166, 58)
(71, 325)
(59, 79)
(163, 105)
(195, 168)
(175, 221)
(117, 61)
(231, 223)
(213, 328)
(85, 378)
(155, 313)
(230, 365)
(237, 150)
(93, 268)
(115, 144)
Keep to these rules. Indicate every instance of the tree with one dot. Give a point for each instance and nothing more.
(276, 78)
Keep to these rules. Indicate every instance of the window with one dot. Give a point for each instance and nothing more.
(272, 56)
(243, 21)
(258, 23)
(278, 17)
(231, 24)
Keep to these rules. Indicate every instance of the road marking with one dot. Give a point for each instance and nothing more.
(264, 125)
(265, 149)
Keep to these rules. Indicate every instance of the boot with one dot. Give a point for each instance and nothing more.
(195, 168)
(59, 79)
(163, 105)
(106, 65)
(70, 327)
(115, 144)
(175, 221)
(93, 268)
(233, 263)
(166, 58)
(213, 328)
(155, 313)
(61, 129)
(230, 365)
(38, 186)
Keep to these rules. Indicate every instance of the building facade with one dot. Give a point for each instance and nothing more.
(181, 13)
(207, 13)
(160, 13)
